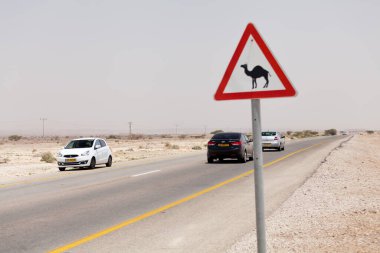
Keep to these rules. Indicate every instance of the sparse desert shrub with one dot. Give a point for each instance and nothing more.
(168, 145)
(14, 137)
(309, 133)
(289, 132)
(175, 147)
(182, 136)
(136, 137)
(5, 160)
(198, 136)
(196, 148)
(34, 150)
(166, 136)
(216, 131)
(330, 132)
(47, 157)
(298, 134)
(112, 136)
(370, 132)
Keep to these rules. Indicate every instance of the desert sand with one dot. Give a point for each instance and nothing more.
(22, 159)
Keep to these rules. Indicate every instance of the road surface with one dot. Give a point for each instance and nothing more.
(101, 206)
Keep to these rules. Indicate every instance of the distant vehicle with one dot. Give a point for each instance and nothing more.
(274, 140)
(84, 152)
(230, 145)
(344, 132)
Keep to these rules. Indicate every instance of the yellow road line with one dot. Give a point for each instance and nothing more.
(168, 206)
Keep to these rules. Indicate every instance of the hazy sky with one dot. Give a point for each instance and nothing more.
(93, 66)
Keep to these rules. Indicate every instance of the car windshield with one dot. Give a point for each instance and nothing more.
(268, 134)
(80, 144)
(224, 136)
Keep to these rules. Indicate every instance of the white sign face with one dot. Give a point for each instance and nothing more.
(253, 72)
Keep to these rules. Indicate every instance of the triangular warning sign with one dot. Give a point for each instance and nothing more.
(253, 72)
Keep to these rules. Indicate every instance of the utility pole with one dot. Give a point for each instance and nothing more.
(43, 126)
(130, 128)
(176, 129)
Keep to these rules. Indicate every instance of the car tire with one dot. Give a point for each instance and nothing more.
(251, 158)
(109, 162)
(283, 147)
(244, 159)
(210, 159)
(93, 163)
(61, 168)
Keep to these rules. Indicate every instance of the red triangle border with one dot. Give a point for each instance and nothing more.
(289, 90)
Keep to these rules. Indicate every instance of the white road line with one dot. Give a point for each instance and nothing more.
(153, 171)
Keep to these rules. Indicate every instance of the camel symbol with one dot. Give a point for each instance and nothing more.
(255, 73)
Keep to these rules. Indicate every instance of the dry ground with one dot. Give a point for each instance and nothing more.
(336, 210)
(20, 159)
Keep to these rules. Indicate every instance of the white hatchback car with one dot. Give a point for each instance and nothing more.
(273, 140)
(84, 152)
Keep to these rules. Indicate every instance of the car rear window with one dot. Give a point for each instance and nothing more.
(226, 136)
(268, 134)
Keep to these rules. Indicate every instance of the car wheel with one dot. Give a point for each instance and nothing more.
(109, 163)
(251, 158)
(93, 163)
(283, 147)
(61, 168)
(210, 159)
(244, 158)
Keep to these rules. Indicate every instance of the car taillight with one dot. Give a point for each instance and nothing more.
(211, 143)
(276, 138)
(236, 143)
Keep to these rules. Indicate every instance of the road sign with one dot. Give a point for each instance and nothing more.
(253, 72)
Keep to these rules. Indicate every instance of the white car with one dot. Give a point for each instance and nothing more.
(84, 152)
(271, 139)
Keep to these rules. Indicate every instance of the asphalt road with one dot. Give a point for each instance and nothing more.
(41, 216)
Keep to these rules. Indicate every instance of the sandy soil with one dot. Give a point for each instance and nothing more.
(336, 210)
(22, 159)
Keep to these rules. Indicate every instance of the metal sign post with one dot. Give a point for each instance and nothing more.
(244, 79)
(258, 173)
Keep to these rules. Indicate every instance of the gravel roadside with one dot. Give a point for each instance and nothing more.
(336, 210)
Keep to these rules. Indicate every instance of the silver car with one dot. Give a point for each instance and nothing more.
(273, 140)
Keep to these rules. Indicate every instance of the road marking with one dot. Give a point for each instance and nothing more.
(153, 171)
(168, 206)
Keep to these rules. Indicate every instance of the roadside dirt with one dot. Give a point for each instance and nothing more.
(22, 159)
(336, 210)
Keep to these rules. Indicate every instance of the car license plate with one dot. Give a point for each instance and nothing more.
(70, 160)
(223, 145)
(267, 144)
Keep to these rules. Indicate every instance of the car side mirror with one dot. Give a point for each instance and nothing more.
(250, 140)
(97, 146)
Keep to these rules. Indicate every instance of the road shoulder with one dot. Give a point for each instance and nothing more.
(336, 210)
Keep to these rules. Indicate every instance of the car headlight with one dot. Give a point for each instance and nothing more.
(86, 153)
(59, 154)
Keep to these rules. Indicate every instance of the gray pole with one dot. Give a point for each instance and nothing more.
(130, 128)
(43, 126)
(258, 172)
